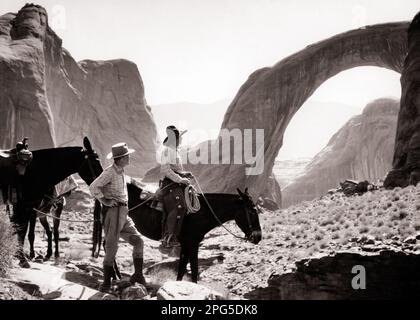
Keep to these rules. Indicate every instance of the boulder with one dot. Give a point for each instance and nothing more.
(50, 282)
(136, 292)
(182, 290)
(388, 275)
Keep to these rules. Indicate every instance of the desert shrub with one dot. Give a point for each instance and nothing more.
(403, 214)
(326, 222)
(401, 205)
(379, 223)
(323, 244)
(8, 244)
(380, 212)
(319, 236)
(363, 229)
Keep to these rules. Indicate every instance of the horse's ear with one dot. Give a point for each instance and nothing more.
(87, 144)
(240, 192)
(246, 190)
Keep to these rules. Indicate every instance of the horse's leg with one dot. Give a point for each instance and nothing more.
(31, 235)
(56, 222)
(46, 225)
(182, 264)
(193, 257)
(20, 219)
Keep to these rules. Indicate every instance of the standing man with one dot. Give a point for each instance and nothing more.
(173, 182)
(110, 189)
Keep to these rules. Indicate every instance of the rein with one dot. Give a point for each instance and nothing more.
(191, 206)
(61, 219)
(151, 197)
(215, 216)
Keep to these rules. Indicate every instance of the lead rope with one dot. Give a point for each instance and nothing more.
(211, 210)
(193, 203)
(150, 198)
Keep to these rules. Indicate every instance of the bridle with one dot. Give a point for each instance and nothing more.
(88, 154)
(248, 218)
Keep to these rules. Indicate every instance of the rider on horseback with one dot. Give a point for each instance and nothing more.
(173, 182)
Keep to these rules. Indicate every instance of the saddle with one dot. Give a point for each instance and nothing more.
(6, 154)
(13, 163)
(20, 154)
(156, 203)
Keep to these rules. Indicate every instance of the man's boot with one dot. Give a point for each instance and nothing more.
(138, 272)
(106, 284)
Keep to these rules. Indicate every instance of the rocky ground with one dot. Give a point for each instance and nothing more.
(375, 221)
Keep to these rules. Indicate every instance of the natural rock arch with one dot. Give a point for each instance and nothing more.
(271, 96)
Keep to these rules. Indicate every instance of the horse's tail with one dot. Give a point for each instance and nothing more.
(97, 230)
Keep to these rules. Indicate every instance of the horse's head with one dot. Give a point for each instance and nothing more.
(91, 167)
(247, 219)
(22, 156)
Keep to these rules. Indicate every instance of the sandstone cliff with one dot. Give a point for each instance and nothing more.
(55, 101)
(406, 168)
(361, 150)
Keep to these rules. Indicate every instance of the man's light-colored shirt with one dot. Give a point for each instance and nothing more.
(111, 184)
(171, 164)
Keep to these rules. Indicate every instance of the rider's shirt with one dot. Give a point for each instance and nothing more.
(171, 164)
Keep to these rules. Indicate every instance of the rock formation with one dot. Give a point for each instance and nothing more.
(361, 150)
(183, 290)
(47, 96)
(389, 275)
(406, 168)
(271, 96)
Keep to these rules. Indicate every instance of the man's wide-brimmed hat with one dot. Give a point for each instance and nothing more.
(119, 150)
(173, 132)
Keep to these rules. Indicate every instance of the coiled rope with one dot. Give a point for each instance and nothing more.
(191, 199)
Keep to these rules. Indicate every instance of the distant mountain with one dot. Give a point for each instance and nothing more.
(312, 127)
(361, 150)
(286, 171)
(203, 121)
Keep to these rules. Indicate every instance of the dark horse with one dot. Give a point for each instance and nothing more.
(49, 167)
(226, 207)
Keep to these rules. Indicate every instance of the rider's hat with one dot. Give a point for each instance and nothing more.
(173, 132)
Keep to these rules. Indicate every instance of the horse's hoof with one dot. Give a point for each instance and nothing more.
(39, 259)
(47, 257)
(32, 255)
(24, 264)
(57, 255)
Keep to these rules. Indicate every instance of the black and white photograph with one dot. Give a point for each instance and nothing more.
(228, 151)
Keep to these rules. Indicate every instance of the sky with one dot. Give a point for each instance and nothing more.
(202, 51)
